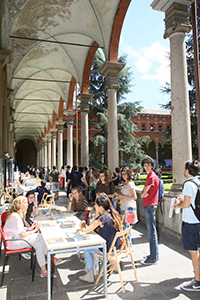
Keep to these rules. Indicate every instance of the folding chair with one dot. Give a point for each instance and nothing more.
(8, 252)
(51, 197)
(114, 257)
(120, 222)
(43, 202)
(8, 194)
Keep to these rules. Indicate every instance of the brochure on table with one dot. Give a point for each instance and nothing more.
(66, 233)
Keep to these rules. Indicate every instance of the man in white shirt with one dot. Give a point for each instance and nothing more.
(190, 223)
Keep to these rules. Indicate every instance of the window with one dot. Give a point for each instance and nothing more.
(143, 127)
(168, 128)
(160, 128)
(152, 128)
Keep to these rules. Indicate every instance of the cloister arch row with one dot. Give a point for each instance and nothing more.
(50, 49)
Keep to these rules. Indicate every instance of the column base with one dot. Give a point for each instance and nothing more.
(176, 189)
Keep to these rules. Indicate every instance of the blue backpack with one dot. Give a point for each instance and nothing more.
(160, 194)
(161, 190)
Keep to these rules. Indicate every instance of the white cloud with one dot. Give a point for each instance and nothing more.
(152, 62)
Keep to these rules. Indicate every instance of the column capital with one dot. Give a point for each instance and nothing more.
(69, 114)
(176, 15)
(53, 131)
(45, 140)
(49, 136)
(163, 5)
(84, 98)
(5, 57)
(111, 71)
(60, 125)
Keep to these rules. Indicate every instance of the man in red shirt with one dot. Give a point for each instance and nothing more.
(150, 202)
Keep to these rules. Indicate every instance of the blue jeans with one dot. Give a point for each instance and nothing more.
(149, 213)
(89, 257)
(126, 225)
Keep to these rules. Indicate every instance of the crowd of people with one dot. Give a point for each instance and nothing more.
(111, 195)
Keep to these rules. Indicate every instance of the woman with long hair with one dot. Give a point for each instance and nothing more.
(105, 185)
(128, 195)
(105, 225)
(77, 203)
(14, 229)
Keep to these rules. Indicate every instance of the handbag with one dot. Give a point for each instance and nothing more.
(130, 216)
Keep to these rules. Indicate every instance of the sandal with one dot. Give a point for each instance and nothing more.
(44, 275)
(58, 261)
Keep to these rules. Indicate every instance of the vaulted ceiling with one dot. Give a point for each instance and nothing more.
(53, 43)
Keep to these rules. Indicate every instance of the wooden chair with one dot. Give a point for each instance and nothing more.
(114, 257)
(51, 197)
(43, 202)
(120, 222)
(8, 252)
(8, 194)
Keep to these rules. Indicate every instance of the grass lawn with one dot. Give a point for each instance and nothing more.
(166, 185)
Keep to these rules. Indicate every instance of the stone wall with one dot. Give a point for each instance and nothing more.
(173, 224)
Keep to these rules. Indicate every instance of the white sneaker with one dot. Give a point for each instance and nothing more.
(26, 255)
(89, 277)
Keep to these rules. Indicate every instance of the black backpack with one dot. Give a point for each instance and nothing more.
(196, 209)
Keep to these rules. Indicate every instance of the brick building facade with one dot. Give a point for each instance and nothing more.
(156, 125)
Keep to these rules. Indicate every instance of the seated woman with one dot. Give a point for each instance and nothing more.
(106, 226)
(32, 208)
(14, 229)
(77, 203)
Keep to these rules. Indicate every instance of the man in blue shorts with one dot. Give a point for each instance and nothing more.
(190, 224)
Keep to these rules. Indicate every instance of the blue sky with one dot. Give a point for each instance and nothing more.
(148, 53)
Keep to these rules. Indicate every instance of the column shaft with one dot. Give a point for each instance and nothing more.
(53, 145)
(60, 149)
(111, 70)
(180, 112)
(84, 140)
(70, 144)
(113, 155)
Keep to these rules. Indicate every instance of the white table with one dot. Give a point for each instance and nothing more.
(51, 230)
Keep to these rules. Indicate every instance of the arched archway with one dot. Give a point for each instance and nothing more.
(26, 154)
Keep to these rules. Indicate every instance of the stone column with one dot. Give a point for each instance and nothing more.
(157, 158)
(53, 144)
(49, 150)
(84, 108)
(176, 23)
(60, 125)
(45, 151)
(38, 156)
(42, 154)
(111, 71)
(69, 114)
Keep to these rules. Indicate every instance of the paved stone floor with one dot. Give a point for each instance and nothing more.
(156, 282)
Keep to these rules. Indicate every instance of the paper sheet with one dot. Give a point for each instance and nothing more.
(173, 200)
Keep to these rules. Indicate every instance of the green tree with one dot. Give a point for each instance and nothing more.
(129, 146)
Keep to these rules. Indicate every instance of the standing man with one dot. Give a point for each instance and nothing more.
(54, 180)
(67, 176)
(190, 223)
(150, 202)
